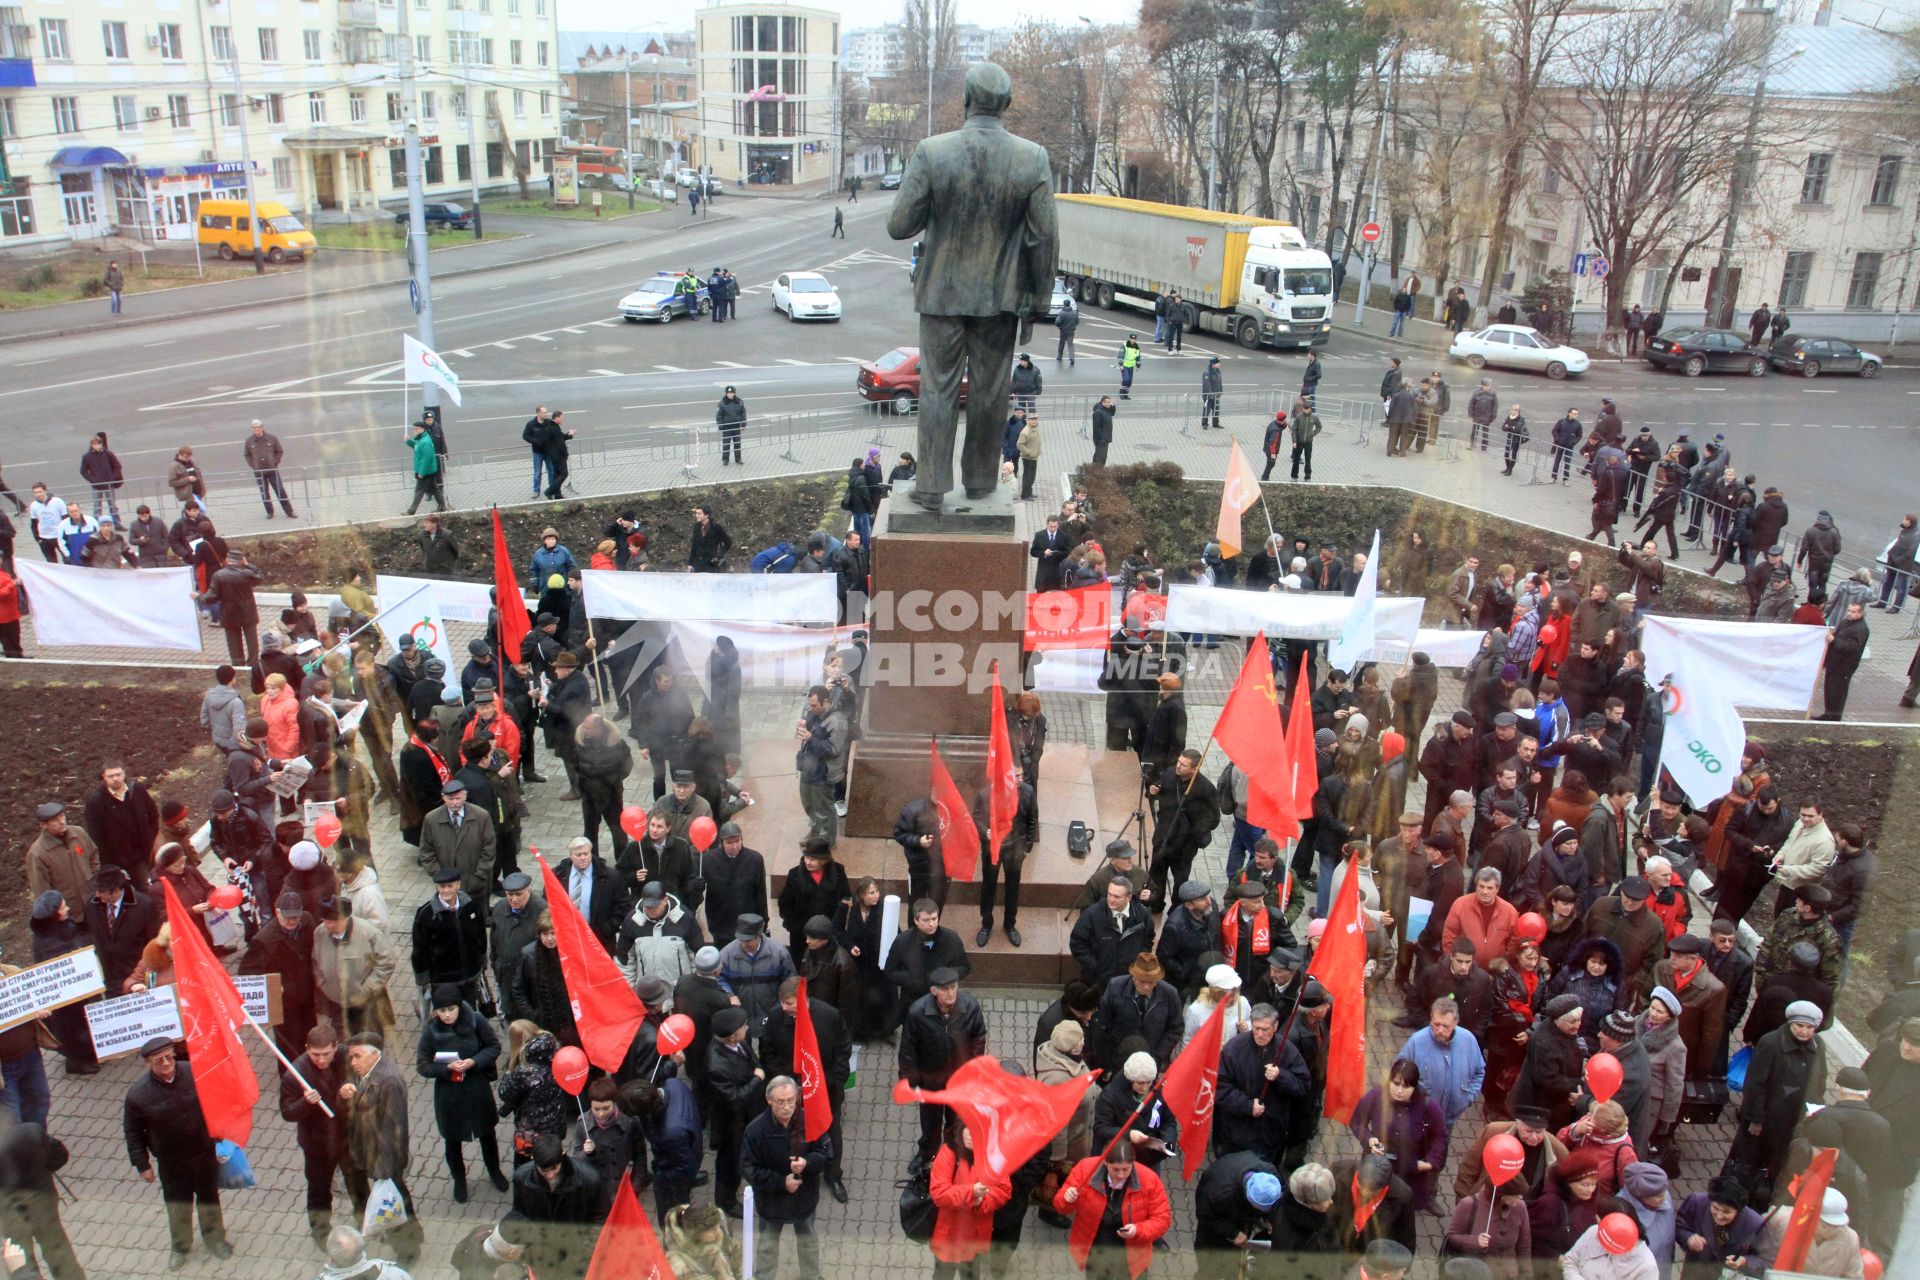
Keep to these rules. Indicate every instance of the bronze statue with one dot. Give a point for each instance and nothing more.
(984, 198)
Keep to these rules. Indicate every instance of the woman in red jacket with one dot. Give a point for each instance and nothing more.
(967, 1198)
(1119, 1209)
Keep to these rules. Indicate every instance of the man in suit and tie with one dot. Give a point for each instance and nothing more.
(1049, 550)
(984, 201)
(460, 836)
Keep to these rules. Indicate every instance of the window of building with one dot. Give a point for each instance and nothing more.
(310, 44)
(457, 103)
(496, 160)
(1299, 143)
(172, 47)
(179, 111)
(546, 103)
(269, 44)
(221, 39)
(519, 103)
(1886, 181)
(283, 172)
(229, 111)
(389, 47)
(1794, 278)
(1550, 169)
(513, 8)
(434, 174)
(126, 113)
(428, 107)
(114, 36)
(1813, 185)
(397, 166)
(316, 108)
(394, 111)
(485, 6)
(66, 115)
(9, 126)
(1865, 282)
(513, 53)
(357, 108)
(16, 208)
(486, 50)
(53, 40)
(1313, 215)
(276, 108)
(540, 53)
(423, 49)
(1320, 148)
(462, 163)
(539, 8)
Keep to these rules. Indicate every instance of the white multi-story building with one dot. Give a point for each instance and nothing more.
(884, 51)
(119, 117)
(769, 77)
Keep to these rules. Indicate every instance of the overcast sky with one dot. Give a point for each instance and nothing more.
(618, 15)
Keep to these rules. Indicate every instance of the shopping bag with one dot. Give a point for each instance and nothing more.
(385, 1209)
(227, 929)
(1737, 1068)
(236, 1173)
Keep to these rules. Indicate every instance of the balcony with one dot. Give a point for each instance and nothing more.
(16, 56)
(359, 14)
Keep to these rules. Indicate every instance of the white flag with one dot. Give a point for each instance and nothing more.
(1709, 669)
(419, 617)
(1355, 640)
(423, 365)
(124, 608)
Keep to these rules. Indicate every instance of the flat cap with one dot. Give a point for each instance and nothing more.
(749, 926)
(453, 787)
(1194, 890)
(49, 811)
(729, 830)
(1250, 889)
(158, 1044)
(683, 775)
(819, 927)
(1688, 944)
(516, 882)
(943, 977)
(728, 1020)
(447, 875)
(1463, 718)
(1854, 1079)
(707, 959)
(652, 989)
(1636, 887)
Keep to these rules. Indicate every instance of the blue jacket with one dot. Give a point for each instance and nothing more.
(1451, 1074)
(544, 564)
(674, 1134)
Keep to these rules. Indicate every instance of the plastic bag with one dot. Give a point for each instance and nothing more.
(385, 1209)
(236, 1172)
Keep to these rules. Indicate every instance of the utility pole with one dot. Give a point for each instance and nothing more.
(1719, 296)
(421, 281)
(656, 97)
(473, 142)
(246, 162)
(1373, 208)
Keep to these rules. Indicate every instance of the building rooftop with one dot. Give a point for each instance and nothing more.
(576, 46)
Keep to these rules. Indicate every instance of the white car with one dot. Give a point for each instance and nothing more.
(1516, 346)
(806, 295)
(1058, 300)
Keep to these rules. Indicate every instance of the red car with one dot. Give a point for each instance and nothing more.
(895, 379)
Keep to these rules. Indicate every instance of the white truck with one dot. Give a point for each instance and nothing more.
(1255, 280)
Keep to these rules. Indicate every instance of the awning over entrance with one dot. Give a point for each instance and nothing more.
(86, 157)
(327, 137)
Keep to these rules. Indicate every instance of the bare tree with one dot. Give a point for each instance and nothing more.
(1343, 53)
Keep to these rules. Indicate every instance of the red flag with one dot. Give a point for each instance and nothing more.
(1809, 1189)
(628, 1249)
(506, 592)
(1250, 732)
(959, 838)
(1143, 609)
(1003, 775)
(211, 1014)
(1241, 490)
(1079, 618)
(605, 1009)
(1189, 1085)
(1340, 964)
(811, 1070)
(1306, 774)
(1011, 1116)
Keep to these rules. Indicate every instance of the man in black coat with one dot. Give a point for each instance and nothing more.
(1049, 552)
(164, 1126)
(1186, 810)
(29, 1201)
(591, 882)
(817, 886)
(450, 938)
(942, 1030)
(917, 830)
(284, 945)
(1138, 1010)
(1109, 935)
(784, 1170)
(1728, 961)
(1260, 1074)
(1447, 763)
(916, 953)
(1865, 1142)
(836, 1059)
(322, 1070)
(1392, 1218)
(1252, 933)
(1232, 1201)
(1312, 1026)
(1440, 882)
(560, 1196)
(123, 821)
(1454, 975)
(1635, 1094)
(736, 880)
(512, 923)
(661, 855)
(122, 921)
(1191, 932)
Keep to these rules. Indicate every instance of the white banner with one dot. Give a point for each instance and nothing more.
(770, 656)
(783, 598)
(52, 984)
(1068, 670)
(421, 618)
(1317, 615)
(1356, 637)
(123, 608)
(123, 1024)
(457, 601)
(423, 364)
(1710, 669)
(1446, 648)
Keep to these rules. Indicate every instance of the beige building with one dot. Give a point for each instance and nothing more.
(120, 118)
(768, 83)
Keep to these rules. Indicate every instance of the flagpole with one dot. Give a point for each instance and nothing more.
(291, 1069)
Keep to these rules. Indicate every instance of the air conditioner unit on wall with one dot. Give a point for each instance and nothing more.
(153, 39)
(206, 157)
(153, 113)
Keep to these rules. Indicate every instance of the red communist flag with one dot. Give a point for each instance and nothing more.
(1011, 1117)
(628, 1249)
(959, 838)
(1306, 774)
(1189, 1085)
(1250, 732)
(812, 1071)
(605, 1009)
(1078, 618)
(1003, 776)
(506, 597)
(211, 1014)
(1340, 964)
(1809, 1189)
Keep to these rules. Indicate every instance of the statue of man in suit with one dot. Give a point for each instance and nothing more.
(984, 198)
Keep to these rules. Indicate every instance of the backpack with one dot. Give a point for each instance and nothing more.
(778, 558)
(1223, 792)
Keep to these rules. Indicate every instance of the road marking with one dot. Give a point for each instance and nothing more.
(1819, 391)
(610, 320)
(802, 364)
(572, 330)
(606, 373)
(851, 359)
(461, 352)
(25, 363)
(733, 364)
(360, 312)
(504, 346)
(669, 368)
(262, 328)
(497, 288)
(539, 337)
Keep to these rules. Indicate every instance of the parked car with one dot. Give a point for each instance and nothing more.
(1517, 346)
(658, 299)
(895, 379)
(690, 179)
(1810, 355)
(806, 295)
(451, 217)
(1697, 351)
(1058, 300)
(890, 182)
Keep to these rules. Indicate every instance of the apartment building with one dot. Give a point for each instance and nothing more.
(119, 116)
(769, 77)
(888, 50)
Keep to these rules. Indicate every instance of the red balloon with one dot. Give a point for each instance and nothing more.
(570, 1070)
(225, 897)
(1503, 1158)
(703, 832)
(1618, 1233)
(1531, 927)
(1603, 1076)
(326, 831)
(1870, 1264)
(633, 821)
(675, 1034)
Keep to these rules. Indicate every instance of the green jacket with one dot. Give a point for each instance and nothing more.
(1305, 426)
(1129, 357)
(1789, 929)
(425, 460)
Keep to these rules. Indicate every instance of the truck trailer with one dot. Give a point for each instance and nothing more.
(1254, 280)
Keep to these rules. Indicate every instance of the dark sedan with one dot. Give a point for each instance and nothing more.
(451, 217)
(1697, 351)
(1810, 355)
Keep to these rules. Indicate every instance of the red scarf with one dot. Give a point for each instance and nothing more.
(1262, 932)
(1681, 984)
(439, 765)
(1363, 1211)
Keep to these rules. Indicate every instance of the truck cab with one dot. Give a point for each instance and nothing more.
(1286, 291)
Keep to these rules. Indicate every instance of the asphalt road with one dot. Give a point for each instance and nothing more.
(323, 373)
